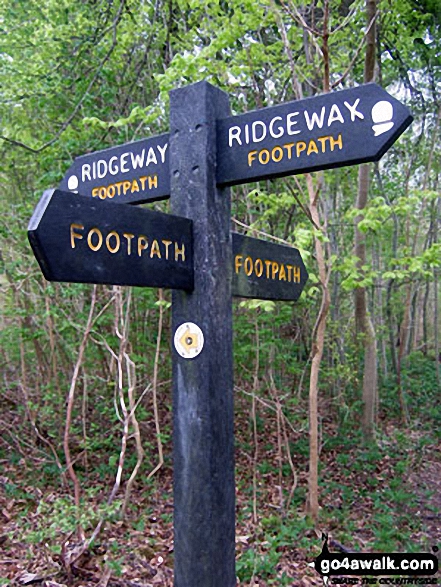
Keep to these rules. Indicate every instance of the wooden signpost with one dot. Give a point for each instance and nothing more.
(131, 174)
(327, 131)
(86, 239)
(266, 271)
(78, 240)
(81, 241)
(203, 439)
(331, 130)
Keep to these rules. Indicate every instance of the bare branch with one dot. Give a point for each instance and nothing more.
(346, 20)
(243, 225)
(296, 85)
(70, 402)
(155, 386)
(74, 112)
(357, 53)
(295, 14)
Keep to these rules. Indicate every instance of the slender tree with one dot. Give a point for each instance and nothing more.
(364, 323)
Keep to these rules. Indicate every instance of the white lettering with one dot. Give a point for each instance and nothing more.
(162, 151)
(247, 134)
(271, 129)
(138, 160)
(290, 123)
(101, 168)
(85, 172)
(123, 158)
(258, 131)
(334, 115)
(310, 122)
(130, 161)
(353, 110)
(113, 170)
(151, 157)
(234, 133)
(254, 126)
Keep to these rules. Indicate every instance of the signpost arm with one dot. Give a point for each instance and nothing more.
(203, 441)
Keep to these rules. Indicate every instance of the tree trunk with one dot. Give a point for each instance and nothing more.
(435, 295)
(318, 339)
(318, 343)
(363, 321)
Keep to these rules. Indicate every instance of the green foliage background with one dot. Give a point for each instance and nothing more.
(76, 77)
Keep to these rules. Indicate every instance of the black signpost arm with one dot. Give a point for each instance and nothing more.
(91, 242)
(204, 491)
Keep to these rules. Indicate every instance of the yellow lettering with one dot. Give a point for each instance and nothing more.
(323, 143)
(337, 141)
(96, 231)
(143, 243)
(251, 157)
(129, 237)
(118, 187)
(102, 193)
(282, 273)
(153, 181)
(288, 148)
(126, 186)
(135, 186)
(74, 235)
(111, 191)
(237, 263)
(268, 265)
(289, 267)
(279, 156)
(258, 267)
(115, 249)
(296, 274)
(248, 266)
(167, 244)
(179, 251)
(94, 192)
(300, 146)
(264, 153)
(275, 269)
(155, 250)
(312, 148)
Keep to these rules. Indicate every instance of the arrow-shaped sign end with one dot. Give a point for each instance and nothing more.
(33, 236)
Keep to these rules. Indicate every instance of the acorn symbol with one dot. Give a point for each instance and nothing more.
(72, 184)
(382, 114)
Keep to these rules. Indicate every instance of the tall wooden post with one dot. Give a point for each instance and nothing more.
(203, 441)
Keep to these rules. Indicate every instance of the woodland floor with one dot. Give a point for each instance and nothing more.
(361, 509)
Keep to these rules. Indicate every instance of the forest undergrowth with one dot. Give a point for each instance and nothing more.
(337, 395)
(382, 497)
